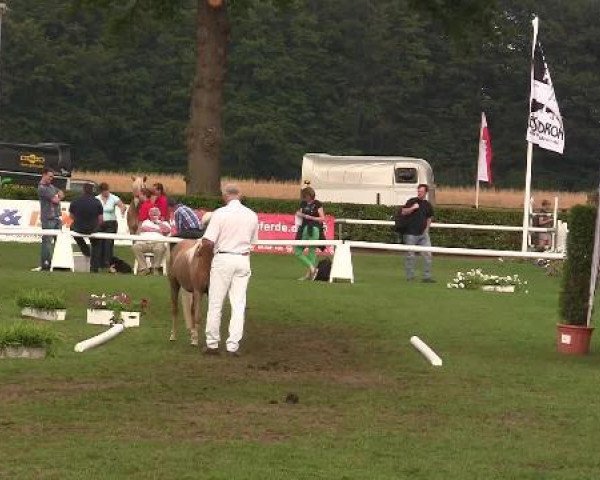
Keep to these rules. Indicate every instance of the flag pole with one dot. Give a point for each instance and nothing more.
(527, 200)
(477, 193)
(595, 265)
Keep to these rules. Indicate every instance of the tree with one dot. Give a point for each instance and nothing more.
(205, 131)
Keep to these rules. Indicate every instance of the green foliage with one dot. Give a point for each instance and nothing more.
(28, 334)
(338, 76)
(576, 275)
(42, 299)
(18, 192)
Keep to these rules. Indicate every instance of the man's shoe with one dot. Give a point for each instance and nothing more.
(428, 280)
(210, 351)
(235, 354)
(36, 269)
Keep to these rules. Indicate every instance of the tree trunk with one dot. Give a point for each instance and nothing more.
(205, 130)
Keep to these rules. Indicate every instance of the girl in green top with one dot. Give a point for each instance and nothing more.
(312, 215)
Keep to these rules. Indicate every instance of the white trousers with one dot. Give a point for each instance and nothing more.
(228, 274)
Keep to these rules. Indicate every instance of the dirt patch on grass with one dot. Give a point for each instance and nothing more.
(225, 421)
(13, 392)
(197, 398)
(329, 354)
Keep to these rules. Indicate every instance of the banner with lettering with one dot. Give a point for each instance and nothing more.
(545, 127)
(278, 226)
(271, 226)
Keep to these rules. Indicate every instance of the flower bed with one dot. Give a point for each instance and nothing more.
(42, 304)
(115, 308)
(26, 340)
(44, 314)
(475, 279)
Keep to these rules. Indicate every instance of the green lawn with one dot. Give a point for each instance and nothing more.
(504, 405)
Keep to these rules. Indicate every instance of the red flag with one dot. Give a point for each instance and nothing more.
(484, 163)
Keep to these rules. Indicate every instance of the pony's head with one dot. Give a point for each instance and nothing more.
(137, 184)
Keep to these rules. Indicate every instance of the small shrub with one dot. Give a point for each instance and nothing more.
(42, 299)
(576, 275)
(28, 334)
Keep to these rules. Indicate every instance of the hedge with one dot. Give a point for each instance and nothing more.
(574, 294)
(439, 237)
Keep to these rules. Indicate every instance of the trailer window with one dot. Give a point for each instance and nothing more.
(406, 175)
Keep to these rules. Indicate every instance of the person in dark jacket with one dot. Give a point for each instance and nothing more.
(416, 232)
(87, 214)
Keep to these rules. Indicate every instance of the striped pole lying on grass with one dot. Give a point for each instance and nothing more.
(112, 332)
(427, 352)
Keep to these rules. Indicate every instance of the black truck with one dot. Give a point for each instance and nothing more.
(22, 164)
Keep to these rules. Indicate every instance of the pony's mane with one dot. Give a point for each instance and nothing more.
(138, 183)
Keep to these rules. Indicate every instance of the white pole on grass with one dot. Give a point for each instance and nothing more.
(427, 352)
(104, 337)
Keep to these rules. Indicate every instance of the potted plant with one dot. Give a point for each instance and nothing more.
(475, 279)
(114, 308)
(26, 340)
(574, 333)
(42, 304)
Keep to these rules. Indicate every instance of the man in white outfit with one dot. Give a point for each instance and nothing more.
(230, 233)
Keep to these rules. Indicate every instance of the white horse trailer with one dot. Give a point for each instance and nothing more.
(366, 179)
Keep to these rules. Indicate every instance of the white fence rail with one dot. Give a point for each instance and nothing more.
(477, 252)
(459, 226)
(474, 252)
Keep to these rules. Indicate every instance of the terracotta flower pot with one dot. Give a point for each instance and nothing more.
(573, 339)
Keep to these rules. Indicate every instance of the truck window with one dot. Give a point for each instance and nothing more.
(406, 175)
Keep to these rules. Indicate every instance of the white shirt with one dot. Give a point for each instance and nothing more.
(152, 230)
(233, 228)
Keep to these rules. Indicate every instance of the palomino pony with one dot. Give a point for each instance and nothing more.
(134, 207)
(189, 270)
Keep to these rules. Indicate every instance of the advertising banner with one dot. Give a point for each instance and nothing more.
(271, 226)
(26, 214)
(279, 226)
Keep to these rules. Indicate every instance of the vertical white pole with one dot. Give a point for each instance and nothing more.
(527, 201)
(477, 194)
(554, 224)
(595, 266)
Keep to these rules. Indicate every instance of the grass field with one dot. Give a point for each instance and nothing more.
(492, 197)
(504, 405)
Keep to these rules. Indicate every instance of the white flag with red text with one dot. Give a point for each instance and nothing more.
(484, 163)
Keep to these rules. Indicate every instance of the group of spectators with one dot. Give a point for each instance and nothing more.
(98, 214)
(232, 230)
